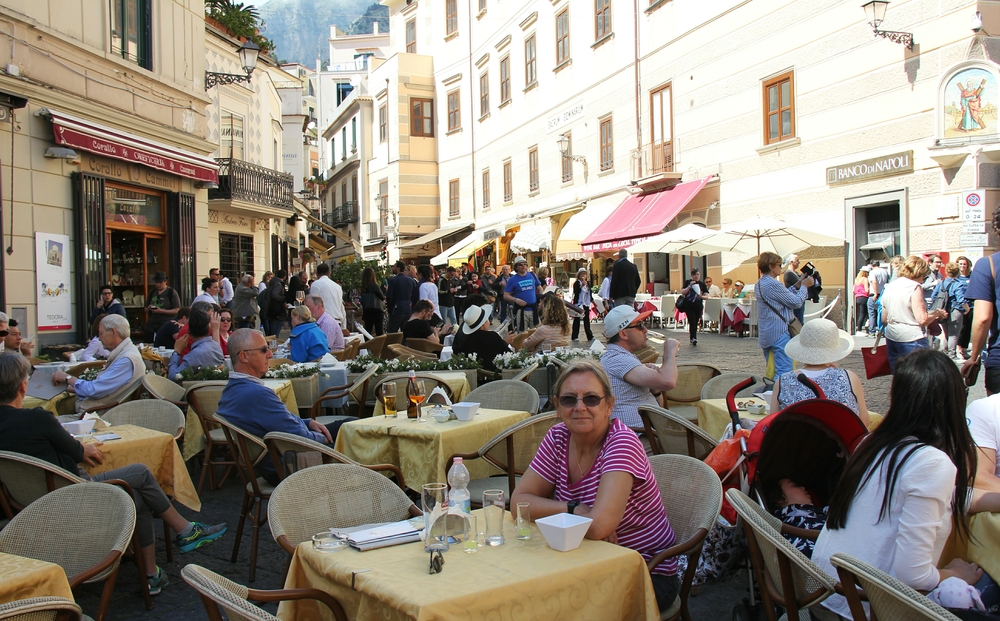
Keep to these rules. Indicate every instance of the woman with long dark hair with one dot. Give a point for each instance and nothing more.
(908, 483)
(372, 303)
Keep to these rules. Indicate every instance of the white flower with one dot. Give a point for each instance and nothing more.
(178, 377)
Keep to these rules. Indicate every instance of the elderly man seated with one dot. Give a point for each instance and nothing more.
(123, 370)
(37, 433)
(325, 321)
(632, 382)
(203, 351)
(248, 403)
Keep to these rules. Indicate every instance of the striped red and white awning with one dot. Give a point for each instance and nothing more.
(82, 134)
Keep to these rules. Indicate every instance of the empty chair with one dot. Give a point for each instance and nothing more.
(889, 598)
(164, 389)
(405, 353)
(424, 345)
(692, 496)
(671, 434)
(308, 453)
(506, 395)
(524, 375)
(204, 398)
(149, 414)
(220, 595)
(691, 378)
(718, 386)
(357, 391)
(42, 609)
(375, 345)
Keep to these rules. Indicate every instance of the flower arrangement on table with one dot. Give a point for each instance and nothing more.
(202, 374)
(290, 371)
(522, 359)
(458, 362)
(90, 373)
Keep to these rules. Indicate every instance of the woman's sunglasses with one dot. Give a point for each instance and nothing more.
(590, 401)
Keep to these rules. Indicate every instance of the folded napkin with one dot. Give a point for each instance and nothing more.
(438, 396)
(99, 423)
(597, 346)
(328, 359)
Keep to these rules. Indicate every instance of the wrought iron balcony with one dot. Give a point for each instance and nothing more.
(344, 214)
(239, 180)
(653, 159)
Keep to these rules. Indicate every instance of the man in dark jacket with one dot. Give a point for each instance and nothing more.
(276, 303)
(107, 305)
(625, 280)
(295, 284)
(400, 297)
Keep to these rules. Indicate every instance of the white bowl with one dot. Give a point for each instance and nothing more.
(465, 410)
(79, 427)
(757, 409)
(442, 417)
(564, 531)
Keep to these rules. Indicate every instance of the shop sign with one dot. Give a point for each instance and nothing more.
(52, 282)
(566, 116)
(131, 173)
(615, 244)
(227, 219)
(973, 206)
(491, 234)
(874, 168)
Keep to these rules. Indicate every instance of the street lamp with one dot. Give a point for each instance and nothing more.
(248, 53)
(563, 143)
(875, 14)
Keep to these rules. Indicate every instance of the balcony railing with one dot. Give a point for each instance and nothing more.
(358, 64)
(344, 214)
(239, 180)
(653, 159)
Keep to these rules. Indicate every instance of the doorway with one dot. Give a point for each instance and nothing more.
(876, 227)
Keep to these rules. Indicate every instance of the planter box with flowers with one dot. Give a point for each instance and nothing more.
(510, 364)
(304, 378)
(459, 362)
(189, 377)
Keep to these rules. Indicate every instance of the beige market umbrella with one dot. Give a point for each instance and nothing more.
(674, 241)
(756, 235)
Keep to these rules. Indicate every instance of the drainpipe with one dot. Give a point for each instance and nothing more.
(472, 124)
(638, 92)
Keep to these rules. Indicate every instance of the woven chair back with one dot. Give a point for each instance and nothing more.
(891, 599)
(28, 478)
(75, 527)
(41, 609)
(359, 389)
(424, 345)
(405, 353)
(148, 414)
(333, 496)
(375, 345)
(506, 395)
(691, 493)
(718, 387)
(204, 397)
(691, 378)
(401, 379)
(671, 434)
(515, 446)
(249, 448)
(393, 338)
(524, 375)
(162, 388)
(307, 453)
(811, 583)
(226, 594)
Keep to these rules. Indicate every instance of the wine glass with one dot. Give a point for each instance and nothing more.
(300, 296)
(417, 392)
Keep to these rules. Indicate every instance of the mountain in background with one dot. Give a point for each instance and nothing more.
(301, 28)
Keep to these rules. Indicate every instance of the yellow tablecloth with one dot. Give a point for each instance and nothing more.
(421, 450)
(158, 452)
(984, 531)
(22, 578)
(456, 380)
(63, 403)
(194, 436)
(713, 416)
(520, 580)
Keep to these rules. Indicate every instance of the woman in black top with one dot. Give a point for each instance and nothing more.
(372, 303)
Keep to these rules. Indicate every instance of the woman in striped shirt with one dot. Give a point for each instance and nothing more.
(593, 465)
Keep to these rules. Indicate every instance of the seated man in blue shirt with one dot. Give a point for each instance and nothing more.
(204, 352)
(248, 403)
(123, 370)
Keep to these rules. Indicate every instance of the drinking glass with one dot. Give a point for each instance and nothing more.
(416, 393)
(300, 296)
(434, 502)
(493, 511)
(389, 397)
(470, 543)
(523, 520)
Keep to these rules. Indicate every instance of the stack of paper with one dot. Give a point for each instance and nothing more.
(372, 536)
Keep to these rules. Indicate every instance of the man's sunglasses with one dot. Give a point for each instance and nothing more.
(590, 401)
(260, 350)
(639, 326)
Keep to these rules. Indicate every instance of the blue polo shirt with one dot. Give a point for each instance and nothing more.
(983, 286)
(524, 287)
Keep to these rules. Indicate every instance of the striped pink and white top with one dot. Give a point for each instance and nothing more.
(644, 526)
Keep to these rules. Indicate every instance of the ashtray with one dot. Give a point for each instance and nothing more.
(328, 541)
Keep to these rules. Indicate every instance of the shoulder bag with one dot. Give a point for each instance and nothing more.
(794, 326)
(876, 358)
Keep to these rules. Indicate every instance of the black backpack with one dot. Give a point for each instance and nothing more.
(263, 302)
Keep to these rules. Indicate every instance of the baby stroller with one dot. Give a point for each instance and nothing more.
(808, 442)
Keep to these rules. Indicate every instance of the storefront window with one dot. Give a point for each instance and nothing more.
(137, 208)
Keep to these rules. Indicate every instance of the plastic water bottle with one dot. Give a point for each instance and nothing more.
(458, 480)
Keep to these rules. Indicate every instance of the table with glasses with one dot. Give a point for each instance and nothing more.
(524, 580)
(194, 435)
(155, 450)
(714, 419)
(24, 578)
(457, 381)
(421, 450)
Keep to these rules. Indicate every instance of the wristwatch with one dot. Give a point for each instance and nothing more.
(571, 506)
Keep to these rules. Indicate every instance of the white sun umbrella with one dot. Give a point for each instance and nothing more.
(756, 235)
(673, 241)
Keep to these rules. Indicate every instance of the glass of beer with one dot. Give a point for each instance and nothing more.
(389, 399)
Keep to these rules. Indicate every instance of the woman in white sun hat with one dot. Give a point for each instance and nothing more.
(817, 348)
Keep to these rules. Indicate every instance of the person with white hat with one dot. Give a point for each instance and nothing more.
(479, 339)
(817, 348)
(522, 292)
(632, 382)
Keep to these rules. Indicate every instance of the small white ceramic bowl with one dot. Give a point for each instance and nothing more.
(757, 409)
(465, 410)
(563, 531)
(442, 417)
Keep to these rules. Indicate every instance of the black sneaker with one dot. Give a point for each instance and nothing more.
(694, 342)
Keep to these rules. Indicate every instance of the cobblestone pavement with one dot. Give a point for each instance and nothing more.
(713, 601)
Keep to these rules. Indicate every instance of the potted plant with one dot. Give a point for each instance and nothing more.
(304, 378)
(190, 376)
(459, 362)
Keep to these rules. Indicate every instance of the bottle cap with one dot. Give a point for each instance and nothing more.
(412, 373)
(458, 460)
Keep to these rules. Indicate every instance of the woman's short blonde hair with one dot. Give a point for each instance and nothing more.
(727, 281)
(303, 313)
(584, 365)
(766, 260)
(952, 269)
(914, 268)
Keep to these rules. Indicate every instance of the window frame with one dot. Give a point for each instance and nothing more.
(413, 117)
(567, 160)
(454, 104)
(383, 123)
(237, 244)
(607, 144)
(117, 14)
(530, 61)
(776, 82)
(669, 125)
(451, 17)
(232, 148)
(508, 182)
(411, 41)
(562, 41)
(454, 204)
(533, 184)
(484, 94)
(505, 94)
(486, 189)
(602, 19)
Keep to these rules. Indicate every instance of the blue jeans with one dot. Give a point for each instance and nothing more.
(897, 350)
(782, 363)
(874, 320)
(448, 312)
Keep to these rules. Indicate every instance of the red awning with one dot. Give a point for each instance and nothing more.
(640, 217)
(82, 134)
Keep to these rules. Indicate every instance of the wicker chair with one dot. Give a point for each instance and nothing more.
(401, 380)
(310, 453)
(248, 450)
(671, 434)
(524, 375)
(425, 345)
(221, 596)
(149, 414)
(42, 609)
(357, 391)
(204, 398)
(691, 378)
(891, 600)
(520, 441)
(518, 341)
(506, 395)
(718, 387)
(333, 496)
(393, 338)
(405, 354)
(375, 345)
(164, 389)
(95, 524)
(692, 497)
(787, 577)
(647, 355)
